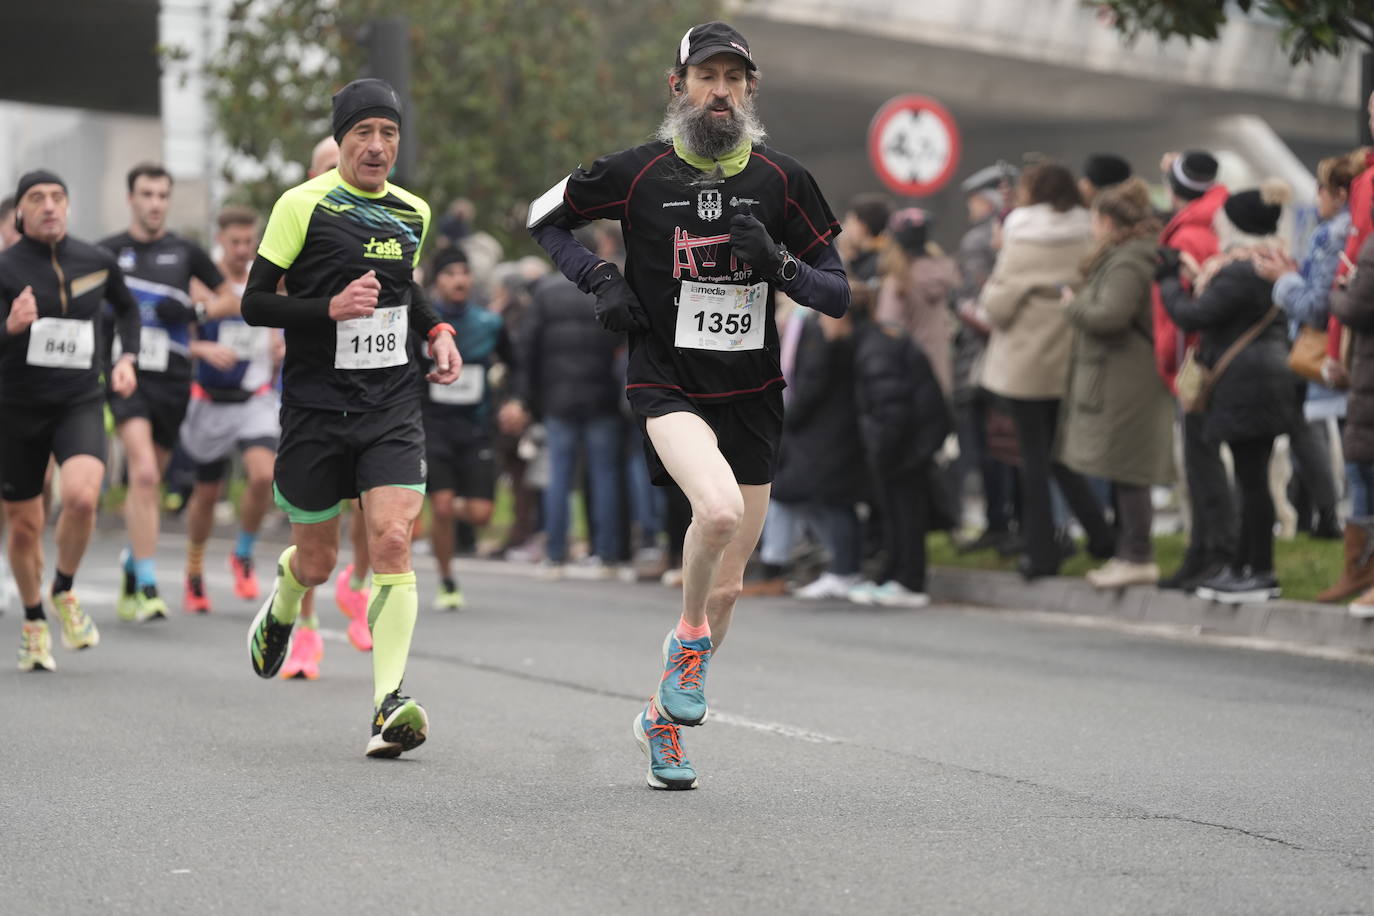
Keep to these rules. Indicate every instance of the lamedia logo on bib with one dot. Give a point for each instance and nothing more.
(388, 250)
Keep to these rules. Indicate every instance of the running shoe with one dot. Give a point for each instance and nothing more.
(245, 577)
(894, 594)
(352, 603)
(148, 605)
(661, 742)
(864, 593)
(307, 649)
(196, 601)
(681, 691)
(78, 630)
(399, 724)
(449, 599)
(126, 606)
(35, 647)
(829, 586)
(268, 640)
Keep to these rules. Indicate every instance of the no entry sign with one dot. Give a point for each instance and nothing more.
(913, 144)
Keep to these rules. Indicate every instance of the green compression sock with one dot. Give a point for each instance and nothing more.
(287, 604)
(391, 613)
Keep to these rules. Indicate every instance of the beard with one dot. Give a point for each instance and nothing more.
(705, 135)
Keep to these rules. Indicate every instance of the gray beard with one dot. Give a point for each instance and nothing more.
(707, 136)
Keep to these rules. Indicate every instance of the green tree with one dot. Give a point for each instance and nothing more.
(507, 95)
(1310, 27)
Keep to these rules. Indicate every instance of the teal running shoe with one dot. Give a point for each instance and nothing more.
(399, 724)
(682, 690)
(661, 742)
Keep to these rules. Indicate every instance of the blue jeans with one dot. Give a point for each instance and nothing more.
(646, 500)
(598, 441)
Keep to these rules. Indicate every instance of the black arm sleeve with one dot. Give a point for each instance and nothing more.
(821, 283)
(423, 318)
(127, 323)
(265, 307)
(572, 259)
(203, 268)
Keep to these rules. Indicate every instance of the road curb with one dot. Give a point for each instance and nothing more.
(1301, 622)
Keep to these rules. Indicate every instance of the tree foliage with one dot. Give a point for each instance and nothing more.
(1310, 28)
(507, 95)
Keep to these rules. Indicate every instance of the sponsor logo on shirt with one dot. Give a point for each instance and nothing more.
(337, 208)
(709, 206)
(388, 250)
(677, 203)
(168, 258)
(736, 201)
(127, 259)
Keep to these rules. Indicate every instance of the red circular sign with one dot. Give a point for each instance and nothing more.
(913, 144)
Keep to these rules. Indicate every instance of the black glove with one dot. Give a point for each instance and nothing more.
(1167, 262)
(752, 244)
(172, 312)
(617, 307)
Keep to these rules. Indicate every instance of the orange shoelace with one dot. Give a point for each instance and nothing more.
(689, 662)
(672, 753)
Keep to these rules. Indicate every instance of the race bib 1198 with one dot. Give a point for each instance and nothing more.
(721, 316)
(375, 342)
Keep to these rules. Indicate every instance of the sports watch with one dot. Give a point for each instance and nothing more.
(788, 269)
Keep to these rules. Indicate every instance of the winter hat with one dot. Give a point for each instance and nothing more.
(447, 257)
(910, 228)
(37, 176)
(1193, 174)
(1257, 211)
(361, 99)
(1106, 169)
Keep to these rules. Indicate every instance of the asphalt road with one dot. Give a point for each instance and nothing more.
(867, 761)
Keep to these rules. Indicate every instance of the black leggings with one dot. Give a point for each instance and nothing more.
(1256, 542)
(905, 518)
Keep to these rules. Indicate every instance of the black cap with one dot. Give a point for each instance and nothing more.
(361, 99)
(1256, 212)
(446, 257)
(37, 176)
(1106, 169)
(712, 38)
(1193, 174)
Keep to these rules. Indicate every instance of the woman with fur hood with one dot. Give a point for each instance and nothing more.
(1045, 242)
(1254, 401)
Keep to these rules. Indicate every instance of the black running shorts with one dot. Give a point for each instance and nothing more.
(747, 431)
(159, 401)
(31, 434)
(327, 456)
(460, 463)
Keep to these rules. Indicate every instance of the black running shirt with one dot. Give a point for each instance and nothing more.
(325, 234)
(156, 272)
(677, 230)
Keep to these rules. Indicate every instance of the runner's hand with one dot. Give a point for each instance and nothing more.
(23, 312)
(617, 307)
(751, 243)
(358, 299)
(447, 362)
(216, 354)
(171, 312)
(123, 378)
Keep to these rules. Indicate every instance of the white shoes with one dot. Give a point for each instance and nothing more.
(889, 594)
(828, 587)
(1117, 573)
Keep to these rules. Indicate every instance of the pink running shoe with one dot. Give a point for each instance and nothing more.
(353, 604)
(307, 648)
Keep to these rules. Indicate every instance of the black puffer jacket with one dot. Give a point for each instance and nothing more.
(903, 418)
(1355, 309)
(820, 458)
(1256, 397)
(567, 362)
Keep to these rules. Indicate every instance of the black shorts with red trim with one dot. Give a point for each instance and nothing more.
(747, 430)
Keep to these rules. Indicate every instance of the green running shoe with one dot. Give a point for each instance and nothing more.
(78, 630)
(126, 606)
(268, 640)
(661, 742)
(148, 605)
(449, 598)
(35, 647)
(399, 724)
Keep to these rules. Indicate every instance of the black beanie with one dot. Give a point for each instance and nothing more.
(445, 257)
(361, 99)
(1193, 174)
(37, 176)
(1106, 169)
(1249, 212)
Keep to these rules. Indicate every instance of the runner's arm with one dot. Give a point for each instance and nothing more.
(821, 284)
(423, 318)
(127, 323)
(573, 259)
(265, 307)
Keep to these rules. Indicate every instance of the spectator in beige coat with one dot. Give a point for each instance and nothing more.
(917, 286)
(1045, 242)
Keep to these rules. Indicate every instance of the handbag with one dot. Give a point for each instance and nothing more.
(1308, 354)
(1194, 381)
